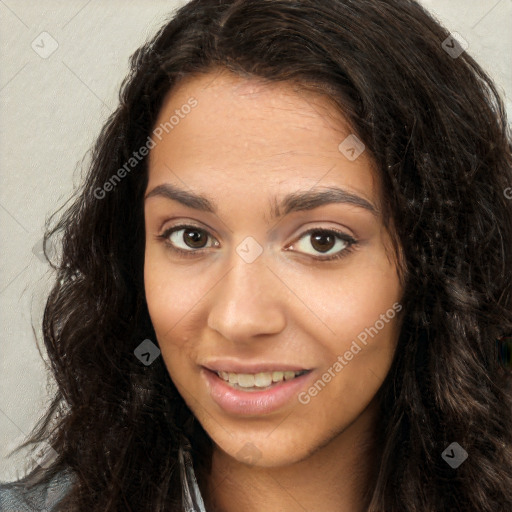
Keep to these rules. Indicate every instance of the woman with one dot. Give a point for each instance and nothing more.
(286, 279)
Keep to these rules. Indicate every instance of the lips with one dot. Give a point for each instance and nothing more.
(253, 401)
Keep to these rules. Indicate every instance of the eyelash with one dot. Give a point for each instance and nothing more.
(164, 237)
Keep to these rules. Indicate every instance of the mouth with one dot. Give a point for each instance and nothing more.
(261, 381)
(266, 390)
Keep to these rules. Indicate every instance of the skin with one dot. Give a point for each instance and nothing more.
(245, 143)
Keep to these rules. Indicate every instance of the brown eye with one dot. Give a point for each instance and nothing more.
(187, 239)
(195, 238)
(316, 242)
(322, 241)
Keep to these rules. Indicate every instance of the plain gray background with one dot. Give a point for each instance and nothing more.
(62, 63)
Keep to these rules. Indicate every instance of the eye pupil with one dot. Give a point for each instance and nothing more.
(192, 238)
(328, 241)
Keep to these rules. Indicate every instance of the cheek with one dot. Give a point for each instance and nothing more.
(337, 306)
(160, 293)
(353, 374)
(368, 330)
(166, 307)
(362, 314)
(173, 295)
(369, 296)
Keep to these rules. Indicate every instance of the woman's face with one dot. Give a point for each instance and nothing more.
(257, 175)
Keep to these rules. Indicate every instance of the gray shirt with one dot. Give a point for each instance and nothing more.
(40, 498)
(43, 498)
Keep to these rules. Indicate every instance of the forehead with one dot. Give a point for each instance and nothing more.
(244, 133)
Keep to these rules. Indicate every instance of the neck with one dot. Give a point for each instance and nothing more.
(334, 477)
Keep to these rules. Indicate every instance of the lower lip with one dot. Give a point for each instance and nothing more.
(240, 402)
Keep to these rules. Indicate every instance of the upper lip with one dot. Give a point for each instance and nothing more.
(258, 367)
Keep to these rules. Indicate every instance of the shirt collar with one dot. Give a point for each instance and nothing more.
(191, 494)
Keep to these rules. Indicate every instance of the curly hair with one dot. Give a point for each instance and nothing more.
(437, 131)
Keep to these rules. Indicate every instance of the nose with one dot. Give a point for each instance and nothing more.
(248, 302)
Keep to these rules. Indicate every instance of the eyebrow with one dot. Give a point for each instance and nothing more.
(293, 202)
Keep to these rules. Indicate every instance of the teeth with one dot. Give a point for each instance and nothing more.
(245, 380)
(259, 380)
(262, 380)
(277, 376)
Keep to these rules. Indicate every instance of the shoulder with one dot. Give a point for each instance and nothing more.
(19, 497)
